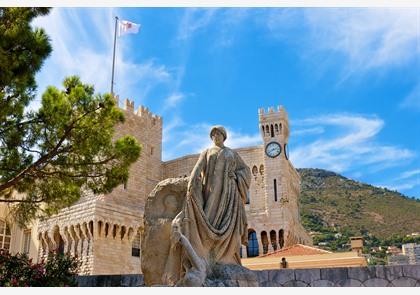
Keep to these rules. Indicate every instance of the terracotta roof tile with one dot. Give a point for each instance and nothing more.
(296, 250)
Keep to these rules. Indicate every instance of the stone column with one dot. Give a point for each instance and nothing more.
(244, 252)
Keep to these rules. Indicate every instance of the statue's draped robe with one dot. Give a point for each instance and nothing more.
(213, 217)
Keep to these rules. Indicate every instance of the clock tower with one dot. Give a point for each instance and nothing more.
(274, 128)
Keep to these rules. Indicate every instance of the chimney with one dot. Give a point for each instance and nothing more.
(356, 244)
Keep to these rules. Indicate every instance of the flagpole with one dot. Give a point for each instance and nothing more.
(113, 56)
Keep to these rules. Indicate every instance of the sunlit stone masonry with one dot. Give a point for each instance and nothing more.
(104, 231)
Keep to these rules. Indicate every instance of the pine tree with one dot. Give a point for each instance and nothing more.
(50, 157)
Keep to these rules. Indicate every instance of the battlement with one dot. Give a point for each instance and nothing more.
(142, 111)
(271, 113)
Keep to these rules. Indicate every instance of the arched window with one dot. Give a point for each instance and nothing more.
(267, 130)
(281, 127)
(254, 170)
(272, 131)
(276, 127)
(5, 235)
(264, 240)
(262, 169)
(281, 238)
(273, 239)
(135, 247)
(263, 130)
(106, 229)
(252, 248)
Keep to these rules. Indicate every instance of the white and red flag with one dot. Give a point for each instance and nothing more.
(126, 27)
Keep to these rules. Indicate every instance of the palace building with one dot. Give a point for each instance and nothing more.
(104, 230)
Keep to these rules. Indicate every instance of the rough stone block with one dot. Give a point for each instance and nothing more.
(412, 271)
(281, 276)
(308, 275)
(334, 274)
(403, 282)
(348, 283)
(376, 283)
(262, 275)
(388, 272)
(295, 284)
(322, 283)
(361, 273)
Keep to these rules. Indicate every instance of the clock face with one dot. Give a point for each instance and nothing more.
(273, 149)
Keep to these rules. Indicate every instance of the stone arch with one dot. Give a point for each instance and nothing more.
(264, 241)
(106, 229)
(90, 227)
(130, 233)
(100, 228)
(276, 128)
(252, 248)
(115, 230)
(56, 234)
(254, 170)
(281, 238)
(68, 239)
(267, 130)
(271, 130)
(262, 169)
(273, 239)
(280, 128)
(123, 231)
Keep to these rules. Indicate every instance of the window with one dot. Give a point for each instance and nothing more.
(275, 190)
(254, 170)
(264, 241)
(272, 131)
(5, 235)
(26, 241)
(135, 248)
(281, 238)
(252, 248)
(273, 239)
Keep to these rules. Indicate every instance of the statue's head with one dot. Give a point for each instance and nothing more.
(218, 134)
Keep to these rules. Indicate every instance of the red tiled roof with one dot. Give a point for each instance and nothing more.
(296, 250)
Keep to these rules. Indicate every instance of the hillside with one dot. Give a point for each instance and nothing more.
(329, 200)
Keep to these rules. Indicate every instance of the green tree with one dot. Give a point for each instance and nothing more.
(51, 156)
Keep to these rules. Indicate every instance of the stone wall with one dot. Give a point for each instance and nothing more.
(373, 276)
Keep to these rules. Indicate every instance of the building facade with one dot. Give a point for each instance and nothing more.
(104, 230)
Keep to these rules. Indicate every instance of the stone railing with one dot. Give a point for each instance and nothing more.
(373, 276)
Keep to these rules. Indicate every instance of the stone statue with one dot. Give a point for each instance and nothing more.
(194, 227)
(212, 224)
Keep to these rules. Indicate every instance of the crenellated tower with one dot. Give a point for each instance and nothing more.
(274, 128)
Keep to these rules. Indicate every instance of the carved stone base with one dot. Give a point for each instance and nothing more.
(230, 275)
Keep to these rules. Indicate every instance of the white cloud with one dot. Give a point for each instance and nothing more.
(368, 38)
(82, 41)
(354, 146)
(308, 131)
(194, 20)
(409, 174)
(173, 100)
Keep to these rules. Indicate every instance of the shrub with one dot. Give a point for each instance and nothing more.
(59, 270)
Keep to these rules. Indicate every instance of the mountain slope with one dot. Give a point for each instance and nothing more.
(337, 202)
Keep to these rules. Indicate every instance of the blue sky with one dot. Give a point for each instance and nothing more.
(348, 78)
